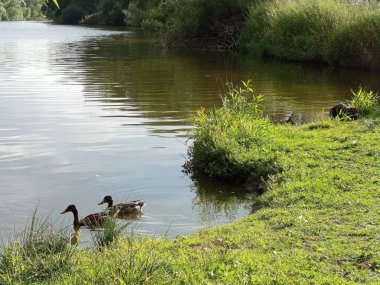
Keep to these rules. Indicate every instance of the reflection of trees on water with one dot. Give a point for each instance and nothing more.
(215, 199)
(129, 77)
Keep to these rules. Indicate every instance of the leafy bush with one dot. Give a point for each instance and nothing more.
(235, 142)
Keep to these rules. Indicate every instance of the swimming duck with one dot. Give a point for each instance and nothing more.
(123, 210)
(91, 221)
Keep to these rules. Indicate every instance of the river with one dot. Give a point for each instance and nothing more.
(88, 112)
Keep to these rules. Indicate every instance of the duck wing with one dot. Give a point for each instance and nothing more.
(93, 220)
(130, 209)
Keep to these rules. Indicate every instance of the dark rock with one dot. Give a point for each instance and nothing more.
(342, 111)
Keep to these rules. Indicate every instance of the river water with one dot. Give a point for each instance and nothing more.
(86, 113)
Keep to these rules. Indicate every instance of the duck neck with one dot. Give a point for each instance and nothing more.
(76, 219)
(110, 203)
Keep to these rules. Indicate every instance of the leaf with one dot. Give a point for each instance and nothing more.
(56, 3)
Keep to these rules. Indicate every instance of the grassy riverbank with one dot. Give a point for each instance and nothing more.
(316, 223)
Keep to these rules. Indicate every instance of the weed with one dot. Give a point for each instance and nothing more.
(110, 232)
(39, 252)
(364, 101)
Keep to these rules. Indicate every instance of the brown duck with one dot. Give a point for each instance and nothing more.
(91, 221)
(122, 210)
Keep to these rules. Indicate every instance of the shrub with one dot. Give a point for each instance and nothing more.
(235, 142)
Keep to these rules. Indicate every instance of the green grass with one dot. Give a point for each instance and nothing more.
(330, 31)
(110, 233)
(39, 252)
(366, 102)
(316, 223)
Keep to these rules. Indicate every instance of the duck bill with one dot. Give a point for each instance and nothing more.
(102, 202)
(65, 211)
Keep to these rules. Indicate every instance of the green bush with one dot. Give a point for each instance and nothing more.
(235, 142)
(330, 31)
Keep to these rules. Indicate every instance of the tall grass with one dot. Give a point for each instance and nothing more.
(110, 232)
(331, 31)
(39, 252)
(365, 101)
(235, 142)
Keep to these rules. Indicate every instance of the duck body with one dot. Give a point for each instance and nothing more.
(91, 221)
(123, 210)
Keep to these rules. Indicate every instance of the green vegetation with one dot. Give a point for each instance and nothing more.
(39, 252)
(316, 223)
(200, 23)
(109, 234)
(17, 10)
(97, 12)
(365, 101)
(331, 31)
(337, 32)
(249, 153)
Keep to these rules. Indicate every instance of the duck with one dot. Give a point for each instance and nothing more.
(123, 210)
(91, 221)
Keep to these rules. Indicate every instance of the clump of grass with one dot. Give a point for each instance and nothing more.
(39, 252)
(365, 101)
(234, 142)
(128, 260)
(110, 232)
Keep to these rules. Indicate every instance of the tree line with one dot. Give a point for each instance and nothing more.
(17, 10)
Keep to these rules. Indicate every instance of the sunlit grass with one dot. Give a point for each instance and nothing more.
(365, 101)
(39, 252)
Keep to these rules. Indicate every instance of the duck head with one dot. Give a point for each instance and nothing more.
(107, 199)
(70, 208)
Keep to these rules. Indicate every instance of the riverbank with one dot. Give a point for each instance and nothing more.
(332, 32)
(317, 222)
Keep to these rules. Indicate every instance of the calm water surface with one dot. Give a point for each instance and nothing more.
(86, 113)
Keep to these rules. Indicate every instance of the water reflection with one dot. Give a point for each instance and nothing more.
(86, 113)
(215, 199)
(131, 78)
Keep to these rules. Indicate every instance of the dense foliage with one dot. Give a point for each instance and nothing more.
(17, 10)
(336, 32)
(97, 12)
(330, 31)
(196, 22)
